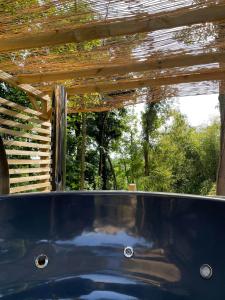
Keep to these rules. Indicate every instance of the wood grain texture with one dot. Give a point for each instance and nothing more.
(26, 153)
(30, 187)
(24, 126)
(125, 26)
(11, 143)
(123, 68)
(24, 135)
(29, 170)
(28, 162)
(140, 83)
(29, 178)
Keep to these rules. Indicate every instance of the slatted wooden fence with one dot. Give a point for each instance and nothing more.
(27, 140)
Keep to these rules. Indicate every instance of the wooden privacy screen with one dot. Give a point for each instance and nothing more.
(27, 141)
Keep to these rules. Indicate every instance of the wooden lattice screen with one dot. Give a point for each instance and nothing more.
(27, 140)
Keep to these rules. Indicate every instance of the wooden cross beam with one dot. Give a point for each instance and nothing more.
(92, 109)
(207, 75)
(32, 93)
(126, 26)
(119, 69)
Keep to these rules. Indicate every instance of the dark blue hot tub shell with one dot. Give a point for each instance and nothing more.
(84, 234)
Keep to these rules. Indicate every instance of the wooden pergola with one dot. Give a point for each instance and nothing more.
(149, 54)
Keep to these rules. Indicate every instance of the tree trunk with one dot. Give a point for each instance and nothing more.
(125, 170)
(146, 157)
(148, 119)
(113, 172)
(132, 155)
(83, 150)
(102, 170)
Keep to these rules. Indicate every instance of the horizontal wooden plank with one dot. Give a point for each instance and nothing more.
(29, 178)
(29, 170)
(100, 87)
(19, 107)
(30, 187)
(28, 89)
(29, 161)
(25, 153)
(33, 127)
(26, 144)
(112, 28)
(123, 68)
(24, 135)
(18, 115)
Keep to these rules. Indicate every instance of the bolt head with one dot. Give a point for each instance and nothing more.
(128, 252)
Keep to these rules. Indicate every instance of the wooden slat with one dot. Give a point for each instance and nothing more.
(24, 126)
(125, 26)
(139, 83)
(28, 178)
(91, 109)
(26, 144)
(29, 161)
(24, 135)
(123, 68)
(18, 115)
(29, 170)
(25, 153)
(29, 187)
(31, 91)
(19, 107)
(46, 180)
(35, 104)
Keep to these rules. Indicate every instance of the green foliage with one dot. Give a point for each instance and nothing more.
(14, 94)
(182, 159)
(103, 130)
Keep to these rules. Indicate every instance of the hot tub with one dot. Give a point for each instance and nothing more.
(111, 245)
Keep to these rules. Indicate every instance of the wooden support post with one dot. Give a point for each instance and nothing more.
(132, 187)
(4, 170)
(220, 184)
(59, 138)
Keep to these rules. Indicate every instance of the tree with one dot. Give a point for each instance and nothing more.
(105, 128)
(153, 118)
(183, 159)
(128, 152)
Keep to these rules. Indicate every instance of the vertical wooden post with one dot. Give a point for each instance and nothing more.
(4, 170)
(132, 187)
(58, 143)
(220, 183)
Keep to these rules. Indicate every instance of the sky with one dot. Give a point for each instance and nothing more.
(200, 110)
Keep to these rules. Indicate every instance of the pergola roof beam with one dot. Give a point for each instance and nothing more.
(126, 26)
(112, 69)
(215, 74)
